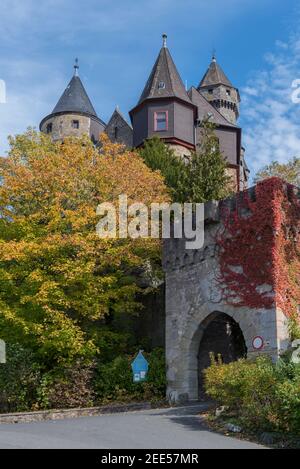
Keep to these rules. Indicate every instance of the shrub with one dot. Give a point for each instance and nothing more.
(113, 381)
(67, 388)
(19, 380)
(294, 327)
(25, 386)
(262, 395)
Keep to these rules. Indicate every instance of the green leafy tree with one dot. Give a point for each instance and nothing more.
(200, 178)
(161, 157)
(289, 171)
(206, 173)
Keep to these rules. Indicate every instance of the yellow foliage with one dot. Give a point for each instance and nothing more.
(57, 276)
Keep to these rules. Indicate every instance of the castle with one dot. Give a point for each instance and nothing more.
(234, 301)
(165, 109)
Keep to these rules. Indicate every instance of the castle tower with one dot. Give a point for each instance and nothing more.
(220, 92)
(74, 114)
(164, 108)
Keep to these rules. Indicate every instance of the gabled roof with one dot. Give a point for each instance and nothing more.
(164, 80)
(215, 76)
(205, 108)
(118, 113)
(75, 99)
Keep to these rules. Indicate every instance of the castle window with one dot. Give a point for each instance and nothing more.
(210, 91)
(116, 131)
(75, 124)
(228, 92)
(161, 85)
(160, 121)
(49, 128)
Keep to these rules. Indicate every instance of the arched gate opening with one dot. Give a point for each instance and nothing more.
(222, 336)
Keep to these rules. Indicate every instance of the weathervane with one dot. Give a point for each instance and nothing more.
(214, 59)
(76, 67)
(164, 36)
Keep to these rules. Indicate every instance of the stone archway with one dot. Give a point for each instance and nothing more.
(221, 336)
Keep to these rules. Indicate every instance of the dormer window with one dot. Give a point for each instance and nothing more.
(160, 121)
(75, 124)
(161, 85)
(49, 128)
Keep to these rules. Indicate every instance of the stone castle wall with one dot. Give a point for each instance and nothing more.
(227, 104)
(62, 126)
(194, 298)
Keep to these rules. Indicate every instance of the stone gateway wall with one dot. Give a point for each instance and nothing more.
(197, 297)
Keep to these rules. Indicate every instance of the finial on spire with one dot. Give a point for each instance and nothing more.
(76, 67)
(164, 36)
(214, 59)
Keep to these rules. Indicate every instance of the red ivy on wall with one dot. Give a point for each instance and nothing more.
(259, 248)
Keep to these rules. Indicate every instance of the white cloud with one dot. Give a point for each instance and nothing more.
(38, 38)
(28, 97)
(270, 119)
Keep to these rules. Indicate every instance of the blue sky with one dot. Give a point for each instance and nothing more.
(257, 44)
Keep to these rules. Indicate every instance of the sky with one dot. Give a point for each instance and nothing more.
(257, 43)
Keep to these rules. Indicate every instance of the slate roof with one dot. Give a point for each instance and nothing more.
(215, 76)
(119, 113)
(164, 72)
(205, 108)
(75, 99)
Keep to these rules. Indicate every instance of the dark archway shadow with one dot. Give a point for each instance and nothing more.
(222, 338)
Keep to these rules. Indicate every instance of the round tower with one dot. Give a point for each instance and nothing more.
(219, 91)
(74, 114)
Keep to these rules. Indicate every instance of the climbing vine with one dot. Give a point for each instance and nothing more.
(259, 248)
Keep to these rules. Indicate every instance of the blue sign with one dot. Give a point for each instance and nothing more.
(140, 368)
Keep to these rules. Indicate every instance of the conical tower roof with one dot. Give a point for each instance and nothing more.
(75, 98)
(164, 80)
(215, 76)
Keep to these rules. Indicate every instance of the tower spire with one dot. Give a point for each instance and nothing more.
(214, 57)
(76, 67)
(164, 37)
(219, 91)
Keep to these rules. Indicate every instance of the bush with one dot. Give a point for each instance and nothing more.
(67, 388)
(262, 395)
(294, 327)
(25, 386)
(113, 381)
(19, 380)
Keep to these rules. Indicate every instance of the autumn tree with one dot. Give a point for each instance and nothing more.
(58, 278)
(289, 171)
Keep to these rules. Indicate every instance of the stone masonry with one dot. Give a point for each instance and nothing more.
(194, 300)
(62, 126)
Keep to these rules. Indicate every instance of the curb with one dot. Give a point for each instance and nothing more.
(60, 414)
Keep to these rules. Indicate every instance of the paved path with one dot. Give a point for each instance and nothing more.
(164, 428)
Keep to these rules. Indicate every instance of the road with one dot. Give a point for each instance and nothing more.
(177, 428)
